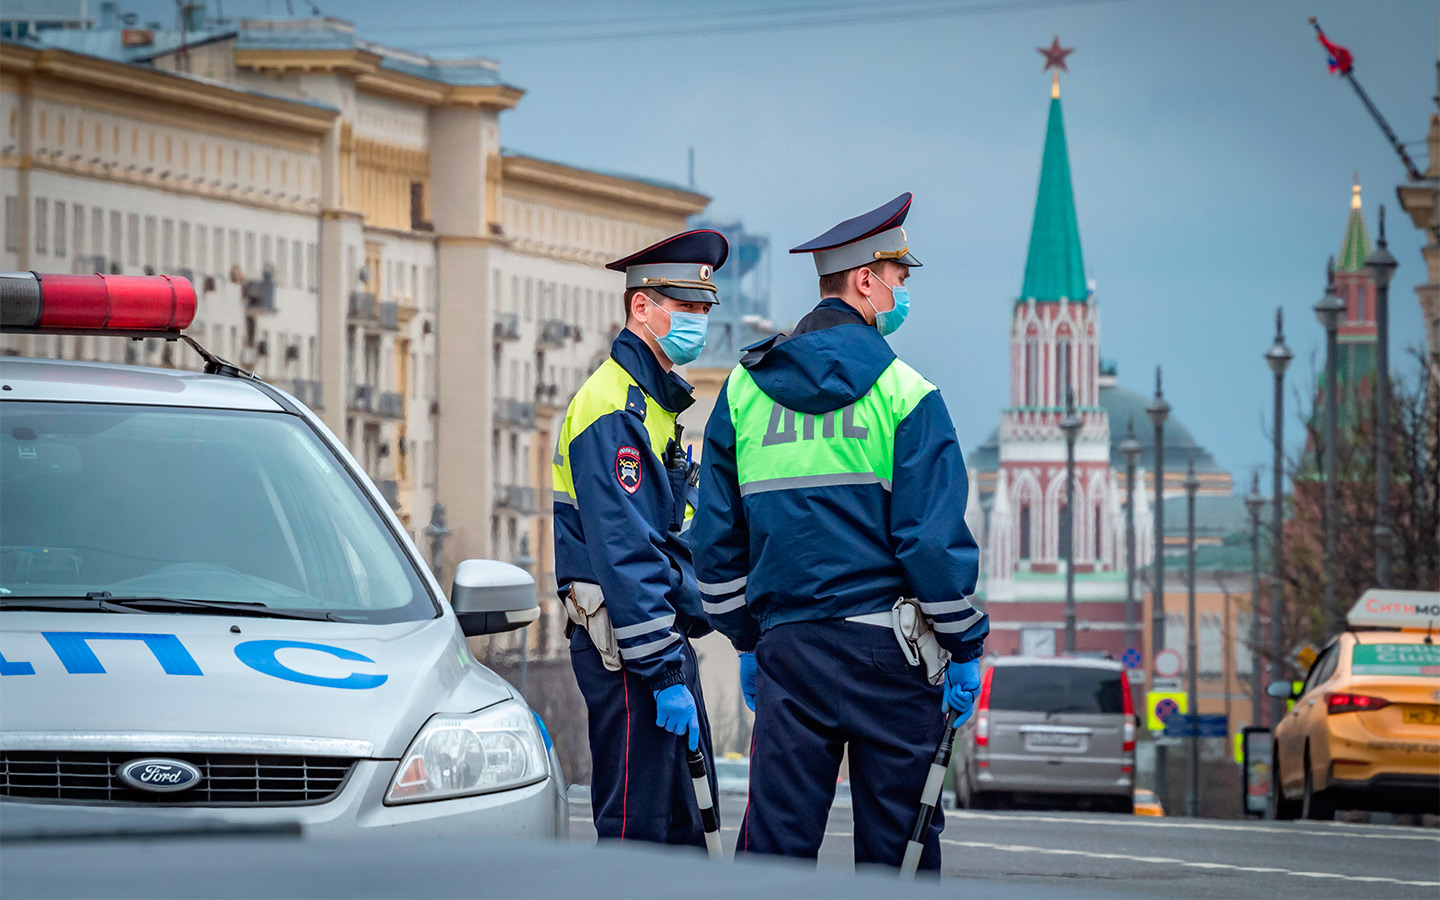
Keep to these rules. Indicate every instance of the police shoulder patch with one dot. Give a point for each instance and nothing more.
(627, 469)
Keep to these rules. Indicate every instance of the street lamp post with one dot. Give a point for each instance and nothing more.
(1255, 505)
(1130, 449)
(1382, 268)
(1329, 311)
(1071, 425)
(1192, 797)
(1159, 411)
(1278, 357)
(437, 532)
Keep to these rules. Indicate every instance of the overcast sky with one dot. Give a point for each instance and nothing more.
(1211, 151)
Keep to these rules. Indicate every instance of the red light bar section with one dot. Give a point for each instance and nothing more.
(128, 304)
(159, 303)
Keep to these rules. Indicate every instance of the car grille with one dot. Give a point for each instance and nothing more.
(227, 779)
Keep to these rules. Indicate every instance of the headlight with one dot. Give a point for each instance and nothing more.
(495, 749)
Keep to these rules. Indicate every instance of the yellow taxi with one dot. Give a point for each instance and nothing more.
(1147, 804)
(1364, 729)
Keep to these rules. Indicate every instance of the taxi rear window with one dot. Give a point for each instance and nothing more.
(1396, 659)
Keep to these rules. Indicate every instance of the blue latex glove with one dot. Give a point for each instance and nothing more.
(747, 678)
(676, 713)
(962, 684)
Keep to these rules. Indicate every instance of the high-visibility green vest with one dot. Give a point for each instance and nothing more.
(780, 449)
(610, 389)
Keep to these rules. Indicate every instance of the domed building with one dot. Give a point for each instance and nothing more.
(1018, 475)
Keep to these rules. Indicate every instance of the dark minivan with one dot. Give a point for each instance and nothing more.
(1049, 729)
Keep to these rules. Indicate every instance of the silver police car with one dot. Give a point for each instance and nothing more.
(206, 606)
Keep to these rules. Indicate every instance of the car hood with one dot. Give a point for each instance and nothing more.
(95, 677)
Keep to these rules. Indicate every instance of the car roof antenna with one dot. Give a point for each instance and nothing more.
(214, 365)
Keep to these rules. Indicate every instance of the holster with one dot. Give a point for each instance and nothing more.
(917, 639)
(585, 605)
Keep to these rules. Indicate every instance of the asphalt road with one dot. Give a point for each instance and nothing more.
(1127, 856)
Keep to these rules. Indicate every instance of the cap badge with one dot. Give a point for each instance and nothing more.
(705, 273)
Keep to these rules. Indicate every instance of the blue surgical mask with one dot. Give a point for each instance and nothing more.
(685, 339)
(890, 320)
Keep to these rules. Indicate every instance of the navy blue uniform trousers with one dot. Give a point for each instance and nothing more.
(822, 686)
(640, 787)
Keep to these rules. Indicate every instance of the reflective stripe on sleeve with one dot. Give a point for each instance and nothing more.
(562, 497)
(647, 649)
(656, 624)
(961, 625)
(799, 482)
(948, 606)
(724, 587)
(716, 607)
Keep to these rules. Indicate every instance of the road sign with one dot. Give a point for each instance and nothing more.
(1204, 725)
(1168, 663)
(1130, 658)
(1167, 684)
(1163, 705)
(1136, 676)
(1303, 656)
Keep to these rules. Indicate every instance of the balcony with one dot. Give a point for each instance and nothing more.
(392, 405)
(362, 398)
(514, 413)
(507, 327)
(555, 332)
(310, 393)
(390, 490)
(516, 497)
(259, 295)
(389, 316)
(363, 307)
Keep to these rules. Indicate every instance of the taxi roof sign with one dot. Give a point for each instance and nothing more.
(1395, 609)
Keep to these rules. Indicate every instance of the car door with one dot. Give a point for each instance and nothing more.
(1298, 721)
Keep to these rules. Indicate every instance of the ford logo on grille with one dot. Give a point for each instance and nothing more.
(160, 775)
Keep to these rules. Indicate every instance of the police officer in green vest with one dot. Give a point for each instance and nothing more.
(831, 548)
(624, 571)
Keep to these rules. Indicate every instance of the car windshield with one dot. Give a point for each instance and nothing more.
(1056, 689)
(194, 504)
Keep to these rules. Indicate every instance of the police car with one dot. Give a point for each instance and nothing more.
(206, 606)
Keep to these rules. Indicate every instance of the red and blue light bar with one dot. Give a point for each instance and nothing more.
(135, 305)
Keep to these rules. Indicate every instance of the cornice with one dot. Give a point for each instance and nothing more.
(370, 78)
(628, 192)
(171, 90)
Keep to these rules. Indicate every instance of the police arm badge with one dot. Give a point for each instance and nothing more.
(627, 469)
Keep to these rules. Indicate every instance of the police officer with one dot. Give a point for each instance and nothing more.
(623, 569)
(832, 550)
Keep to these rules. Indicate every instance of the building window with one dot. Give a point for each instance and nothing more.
(167, 245)
(1025, 530)
(60, 231)
(311, 275)
(1062, 370)
(1031, 374)
(267, 252)
(1099, 522)
(151, 223)
(77, 232)
(202, 248)
(97, 229)
(132, 231)
(529, 299)
(282, 252)
(250, 270)
(297, 267)
(184, 245)
(117, 236)
(42, 224)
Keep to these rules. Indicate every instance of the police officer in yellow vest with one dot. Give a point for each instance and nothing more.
(622, 480)
(831, 547)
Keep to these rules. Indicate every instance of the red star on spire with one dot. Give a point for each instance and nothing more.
(1055, 55)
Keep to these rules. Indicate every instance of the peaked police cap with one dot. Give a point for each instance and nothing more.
(682, 267)
(867, 238)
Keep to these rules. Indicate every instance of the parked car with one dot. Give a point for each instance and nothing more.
(1147, 804)
(1049, 730)
(1364, 729)
(205, 605)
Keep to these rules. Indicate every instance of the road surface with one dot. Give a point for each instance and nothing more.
(1130, 856)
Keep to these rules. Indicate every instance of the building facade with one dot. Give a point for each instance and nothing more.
(356, 235)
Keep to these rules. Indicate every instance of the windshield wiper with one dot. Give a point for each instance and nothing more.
(105, 602)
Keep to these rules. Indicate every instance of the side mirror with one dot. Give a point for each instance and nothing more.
(492, 597)
(1281, 690)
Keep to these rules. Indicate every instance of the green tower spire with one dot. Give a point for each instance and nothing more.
(1357, 247)
(1055, 268)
